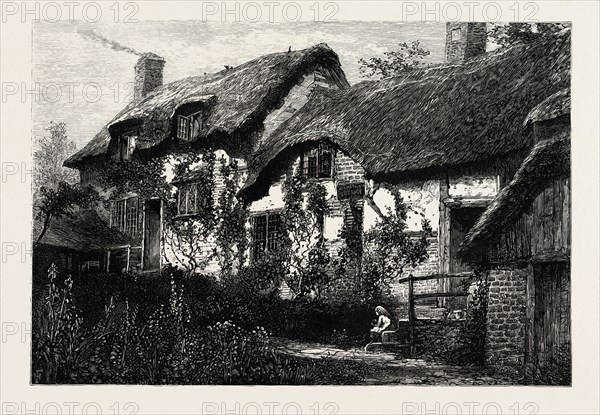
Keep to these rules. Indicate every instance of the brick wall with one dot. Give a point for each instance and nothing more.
(347, 170)
(505, 337)
(428, 267)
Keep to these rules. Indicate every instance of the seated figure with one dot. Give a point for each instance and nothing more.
(383, 323)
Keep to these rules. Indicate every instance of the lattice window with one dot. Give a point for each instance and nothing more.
(266, 233)
(125, 215)
(183, 128)
(188, 126)
(131, 216)
(190, 199)
(318, 162)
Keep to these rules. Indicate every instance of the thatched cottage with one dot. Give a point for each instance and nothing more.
(524, 240)
(232, 111)
(449, 137)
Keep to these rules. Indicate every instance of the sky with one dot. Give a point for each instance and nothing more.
(84, 83)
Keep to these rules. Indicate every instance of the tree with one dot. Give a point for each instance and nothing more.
(409, 57)
(389, 249)
(48, 170)
(512, 33)
(62, 201)
(52, 151)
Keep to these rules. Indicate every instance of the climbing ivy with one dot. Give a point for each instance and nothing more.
(389, 249)
(190, 239)
(309, 262)
(232, 214)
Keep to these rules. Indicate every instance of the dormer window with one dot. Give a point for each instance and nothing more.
(317, 163)
(188, 126)
(126, 146)
(455, 34)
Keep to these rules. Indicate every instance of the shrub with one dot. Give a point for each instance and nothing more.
(162, 347)
(58, 336)
(459, 341)
(557, 370)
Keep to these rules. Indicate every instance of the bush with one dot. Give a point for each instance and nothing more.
(459, 341)
(126, 347)
(58, 335)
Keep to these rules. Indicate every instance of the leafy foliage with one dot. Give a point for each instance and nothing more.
(52, 150)
(48, 171)
(189, 238)
(163, 347)
(509, 34)
(408, 57)
(460, 341)
(232, 214)
(186, 236)
(308, 262)
(144, 177)
(57, 340)
(389, 249)
(62, 201)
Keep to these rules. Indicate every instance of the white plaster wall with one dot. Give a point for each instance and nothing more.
(473, 187)
(333, 226)
(205, 247)
(421, 197)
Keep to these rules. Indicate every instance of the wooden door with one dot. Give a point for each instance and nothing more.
(551, 317)
(152, 230)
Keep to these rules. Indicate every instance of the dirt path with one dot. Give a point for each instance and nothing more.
(389, 368)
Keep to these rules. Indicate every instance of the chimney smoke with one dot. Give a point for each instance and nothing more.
(90, 34)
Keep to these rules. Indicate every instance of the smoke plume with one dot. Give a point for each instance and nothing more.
(90, 34)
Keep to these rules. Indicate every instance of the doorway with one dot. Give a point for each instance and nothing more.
(551, 354)
(152, 231)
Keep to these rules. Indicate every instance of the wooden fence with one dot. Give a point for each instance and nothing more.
(412, 297)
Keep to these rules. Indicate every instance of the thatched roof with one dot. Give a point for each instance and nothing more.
(237, 98)
(552, 107)
(549, 159)
(84, 231)
(439, 116)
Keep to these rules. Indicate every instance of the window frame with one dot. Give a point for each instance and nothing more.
(125, 215)
(270, 236)
(199, 203)
(313, 160)
(189, 125)
(126, 146)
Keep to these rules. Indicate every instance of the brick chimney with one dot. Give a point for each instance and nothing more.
(148, 74)
(465, 40)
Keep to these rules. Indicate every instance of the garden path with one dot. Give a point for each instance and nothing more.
(384, 367)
